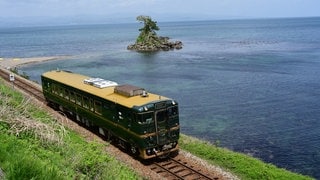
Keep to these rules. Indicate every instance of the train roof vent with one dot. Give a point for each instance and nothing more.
(129, 90)
(100, 83)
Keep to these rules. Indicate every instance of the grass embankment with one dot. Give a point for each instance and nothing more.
(34, 146)
(243, 166)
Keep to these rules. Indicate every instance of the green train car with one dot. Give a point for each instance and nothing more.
(145, 124)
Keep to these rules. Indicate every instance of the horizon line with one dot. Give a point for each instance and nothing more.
(81, 22)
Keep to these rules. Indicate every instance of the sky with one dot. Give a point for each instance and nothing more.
(24, 12)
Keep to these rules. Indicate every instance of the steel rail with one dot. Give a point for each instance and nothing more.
(177, 170)
(23, 84)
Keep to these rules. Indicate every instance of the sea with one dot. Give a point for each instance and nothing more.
(252, 86)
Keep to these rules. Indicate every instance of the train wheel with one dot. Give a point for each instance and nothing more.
(53, 105)
(109, 136)
(134, 150)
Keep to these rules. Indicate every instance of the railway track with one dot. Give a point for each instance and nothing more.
(170, 168)
(178, 169)
(23, 84)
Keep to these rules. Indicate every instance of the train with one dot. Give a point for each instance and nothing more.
(143, 123)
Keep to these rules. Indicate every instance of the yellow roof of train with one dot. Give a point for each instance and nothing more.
(77, 81)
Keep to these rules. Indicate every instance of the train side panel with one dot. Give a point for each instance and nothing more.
(91, 110)
(148, 129)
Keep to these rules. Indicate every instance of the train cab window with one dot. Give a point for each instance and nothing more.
(72, 97)
(86, 102)
(78, 99)
(145, 118)
(97, 107)
(172, 111)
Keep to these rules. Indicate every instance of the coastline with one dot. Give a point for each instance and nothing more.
(9, 63)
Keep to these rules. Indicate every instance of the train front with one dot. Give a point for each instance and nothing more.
(159, 123)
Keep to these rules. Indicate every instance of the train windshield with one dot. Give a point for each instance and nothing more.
(145, 118)
(162, 116)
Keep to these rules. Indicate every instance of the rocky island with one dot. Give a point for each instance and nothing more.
(149, 41)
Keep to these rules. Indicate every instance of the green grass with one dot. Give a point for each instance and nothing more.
(243, 166)
(35, 146)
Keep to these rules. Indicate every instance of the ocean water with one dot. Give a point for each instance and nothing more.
(252, 86)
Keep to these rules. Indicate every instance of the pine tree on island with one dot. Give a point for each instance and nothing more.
(148, 40)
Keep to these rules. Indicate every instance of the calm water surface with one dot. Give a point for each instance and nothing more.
(251, 85)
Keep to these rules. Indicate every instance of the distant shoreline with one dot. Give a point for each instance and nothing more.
(9, 63)
(16, 23)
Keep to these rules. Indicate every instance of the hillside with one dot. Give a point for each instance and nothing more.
(33, 145)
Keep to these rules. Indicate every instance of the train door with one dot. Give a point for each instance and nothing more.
(161, 126)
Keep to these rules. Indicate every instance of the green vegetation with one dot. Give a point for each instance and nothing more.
(244, 166)
(148, 40)
(34, 146)
(148, 31)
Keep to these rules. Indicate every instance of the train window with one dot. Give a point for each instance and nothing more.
(172, 111)
(72, 97)
(61, 91)
(54, 89)
(91, 105)
(145, 118)
(86, 102)
(47, 85)
(66, 94)
(97, 107)
(78, 99)
(106, 106)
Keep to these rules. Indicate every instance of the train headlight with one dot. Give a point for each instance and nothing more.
(149, 152)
